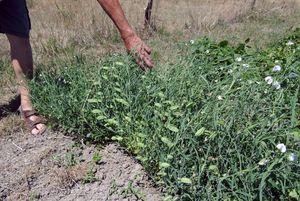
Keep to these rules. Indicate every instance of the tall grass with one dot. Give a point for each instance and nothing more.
(205, 126)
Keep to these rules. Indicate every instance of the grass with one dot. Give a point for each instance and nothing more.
(205, 125)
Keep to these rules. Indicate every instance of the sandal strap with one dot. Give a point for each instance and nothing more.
(29, 113)
(32, 124)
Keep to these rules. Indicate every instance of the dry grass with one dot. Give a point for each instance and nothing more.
(85, 25)
(82, 26)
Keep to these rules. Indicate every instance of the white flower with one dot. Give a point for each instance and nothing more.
(239, 59)
(292, 157)
(192, 41)
(281, 147)
(276, 61)
(276, 68)
(230, 71)
(290, 43)
(207, 51)
(276, 85)
(220, 98)
(263, 162)
(246, 65)
(269, 79)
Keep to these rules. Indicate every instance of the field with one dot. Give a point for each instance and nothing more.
(218, 117)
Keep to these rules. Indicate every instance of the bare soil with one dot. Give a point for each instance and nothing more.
(56, 167)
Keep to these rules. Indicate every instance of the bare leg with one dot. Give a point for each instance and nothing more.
(21, 56)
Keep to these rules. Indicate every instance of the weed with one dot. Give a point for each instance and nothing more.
(205, 125)
(97, 158)
(90, 175)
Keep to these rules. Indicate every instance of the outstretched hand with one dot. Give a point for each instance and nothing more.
(140, 51)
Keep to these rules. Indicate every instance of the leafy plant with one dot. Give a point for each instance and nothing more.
(206, 126)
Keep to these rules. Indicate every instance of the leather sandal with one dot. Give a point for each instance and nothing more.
(33, 124)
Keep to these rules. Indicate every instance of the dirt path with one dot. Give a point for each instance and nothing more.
(55, 167)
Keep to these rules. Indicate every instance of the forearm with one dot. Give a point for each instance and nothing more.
(115, 12)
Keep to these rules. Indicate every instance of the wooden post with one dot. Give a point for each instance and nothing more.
(253, 4)
(148, 13)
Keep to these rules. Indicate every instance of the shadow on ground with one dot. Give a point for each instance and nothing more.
(11, 107)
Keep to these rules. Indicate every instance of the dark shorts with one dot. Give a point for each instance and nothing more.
(14, 18)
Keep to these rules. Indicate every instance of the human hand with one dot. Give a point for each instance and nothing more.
(140, 51)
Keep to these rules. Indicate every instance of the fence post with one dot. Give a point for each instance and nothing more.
(148, 12)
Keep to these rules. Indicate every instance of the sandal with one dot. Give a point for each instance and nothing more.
(33, 124)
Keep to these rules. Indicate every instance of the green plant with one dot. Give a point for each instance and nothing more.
(97, 158)
(90, 175)
(205, 126)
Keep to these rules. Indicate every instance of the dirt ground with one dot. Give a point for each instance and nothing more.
(56, 167)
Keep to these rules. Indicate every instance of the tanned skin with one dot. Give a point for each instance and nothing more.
(21, 54)
(132, 42)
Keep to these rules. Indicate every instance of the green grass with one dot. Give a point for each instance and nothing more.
(205, 125)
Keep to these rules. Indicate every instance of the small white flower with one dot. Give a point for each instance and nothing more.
(246, 65)
(269, 79)
(230, 71)
(192, 41)
(263, 162)
(277, 61)
(281, 147)
(276, 68)
(207, 51)
(239, 59)
(220, 98)
(292, 157)
(289, 43)
(276, 85)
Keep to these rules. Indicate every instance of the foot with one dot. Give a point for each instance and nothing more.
(34, 122)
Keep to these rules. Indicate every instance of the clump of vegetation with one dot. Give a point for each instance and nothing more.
(219, 123)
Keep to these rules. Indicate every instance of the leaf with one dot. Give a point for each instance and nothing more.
(185, 180)
(294, 194)
(101, 117)
(117, 138)
(166, 141)
(214, 169)
(122, 101)
(164, 165)
(174, 107)
(200, 132)
(111, 122)
(172, 128)
(118, 63)
(158, 105)
(96, 111)
(93, 100)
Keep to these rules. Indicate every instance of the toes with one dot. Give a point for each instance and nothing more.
(34, 131)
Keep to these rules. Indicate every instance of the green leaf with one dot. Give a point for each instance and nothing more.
(101, 117)
(122, 101)
(111, 122)
(93, 100)
(185, 180)
(214, 169)
(164, 165)
(294, 194)
(172, 128)
(117, 138)
(166, 141)
(96, 111)
(200, 132)
(118, 63)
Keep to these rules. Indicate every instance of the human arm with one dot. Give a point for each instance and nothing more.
(132, 41)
